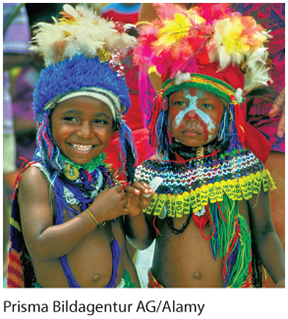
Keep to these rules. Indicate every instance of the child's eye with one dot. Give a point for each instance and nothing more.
(207, 106)
(180, 103)
(70, 119)
(100, 121)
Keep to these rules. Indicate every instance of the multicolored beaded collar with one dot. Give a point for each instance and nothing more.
(195, 182)
(207, 189)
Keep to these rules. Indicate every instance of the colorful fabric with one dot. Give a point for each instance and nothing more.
(272, 17)
(223, 83)
(207, 189)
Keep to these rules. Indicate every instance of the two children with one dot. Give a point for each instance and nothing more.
(66, 223)
(211, 214)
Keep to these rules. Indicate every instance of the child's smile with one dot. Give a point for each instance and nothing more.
(194, 116)
(81, 127)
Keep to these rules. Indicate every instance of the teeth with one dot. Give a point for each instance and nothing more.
(80, 147)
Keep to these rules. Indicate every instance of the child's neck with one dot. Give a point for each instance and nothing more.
(90, 166)
(188, 152)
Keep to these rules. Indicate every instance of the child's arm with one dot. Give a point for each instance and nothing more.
(137, 227)
(47, 241)
(266, 241)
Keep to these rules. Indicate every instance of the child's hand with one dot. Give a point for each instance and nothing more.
(136, 199)
(110, 204)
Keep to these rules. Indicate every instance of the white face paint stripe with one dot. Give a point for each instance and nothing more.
(192, 107)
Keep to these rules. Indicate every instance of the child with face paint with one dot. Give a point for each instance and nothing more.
(67, 225)
(194, 116)
(211, 215)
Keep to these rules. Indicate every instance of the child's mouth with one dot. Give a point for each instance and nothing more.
(191, 133)
(81, 147)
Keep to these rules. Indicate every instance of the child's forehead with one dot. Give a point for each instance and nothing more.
(192, 90)
(83, 104)
(186, 92)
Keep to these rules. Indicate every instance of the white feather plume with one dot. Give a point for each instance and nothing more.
(84, 33)
(224, 58)
(257, 69)
(182, 77)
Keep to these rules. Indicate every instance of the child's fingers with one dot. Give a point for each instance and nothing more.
(145, 184)
(137, 188)
(132, 190)
(143, 187)
(281, 126)
(278, 104)
(119, 189)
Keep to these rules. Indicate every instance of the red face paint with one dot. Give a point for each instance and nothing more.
(194, 116)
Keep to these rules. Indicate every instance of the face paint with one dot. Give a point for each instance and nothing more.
(194, 116)
(198, 115)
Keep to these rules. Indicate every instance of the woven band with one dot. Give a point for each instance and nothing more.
(204, 82)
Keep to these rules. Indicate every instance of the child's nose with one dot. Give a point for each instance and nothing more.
(85, 130)
(191, 116)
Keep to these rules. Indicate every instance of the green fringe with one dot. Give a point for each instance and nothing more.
(225, 236)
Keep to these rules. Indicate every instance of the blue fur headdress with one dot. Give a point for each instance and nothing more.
(82, 54)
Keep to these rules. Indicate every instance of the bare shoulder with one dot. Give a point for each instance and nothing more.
(33, 186)
(33, 178)
(34, 203)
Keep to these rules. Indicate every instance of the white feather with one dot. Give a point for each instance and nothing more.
(182, 77)
(70, 10)
(85, 35)
(238, 95)
(224, 58)
(258, 72)
(236, 57)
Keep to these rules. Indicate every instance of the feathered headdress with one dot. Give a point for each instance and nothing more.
(82, 32)
(206, 46)
(184, 40)
(82, 53)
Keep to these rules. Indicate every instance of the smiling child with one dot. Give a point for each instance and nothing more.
(211, 215)
(68, 207)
